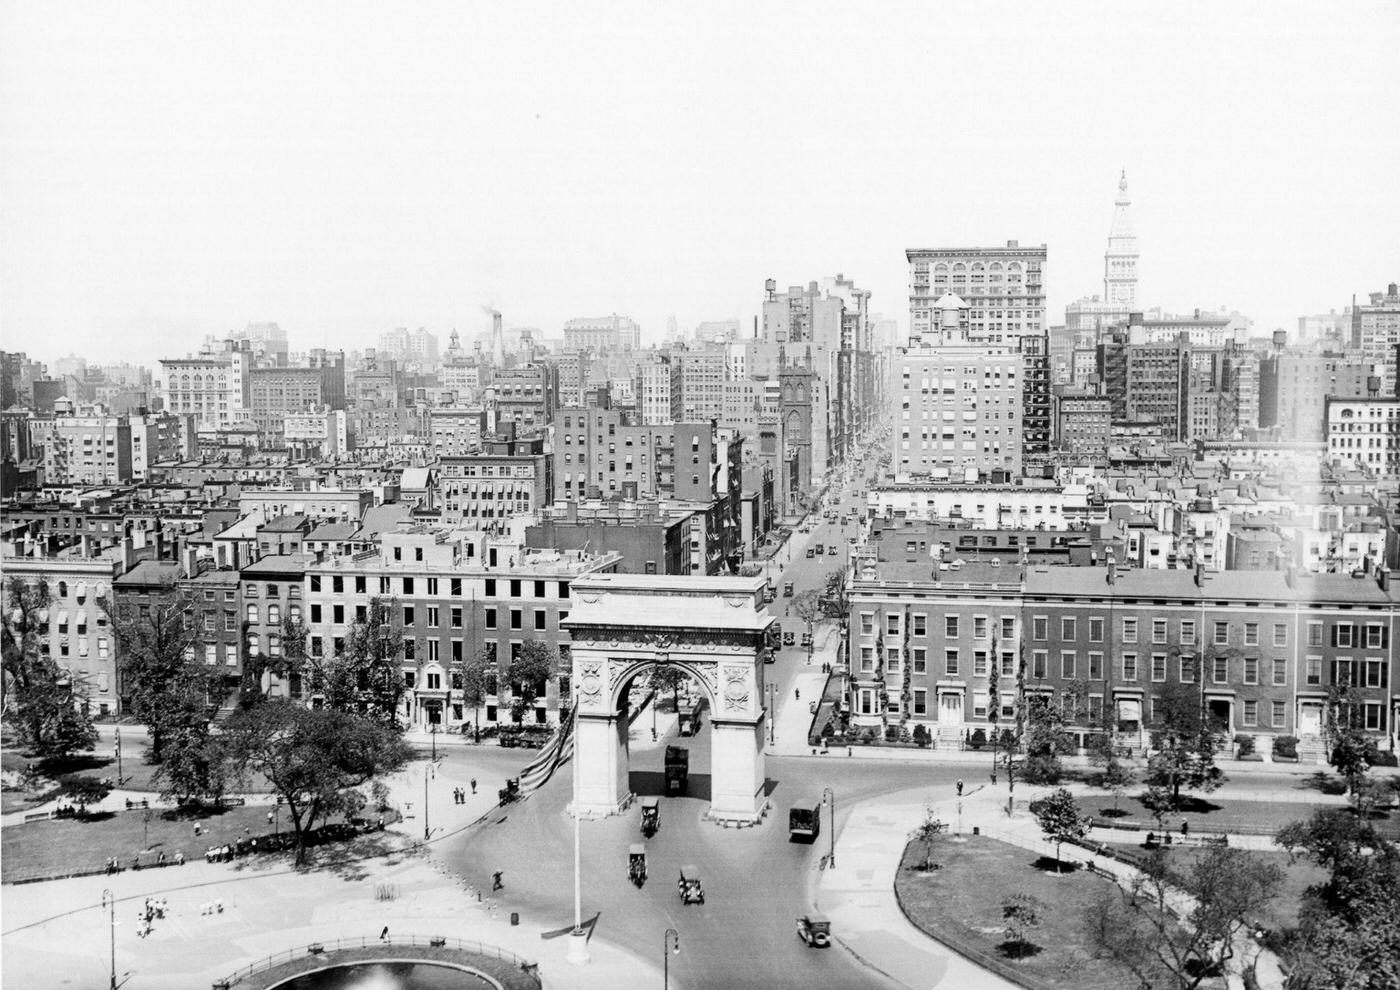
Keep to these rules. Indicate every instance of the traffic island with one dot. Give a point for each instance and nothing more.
(395, 956)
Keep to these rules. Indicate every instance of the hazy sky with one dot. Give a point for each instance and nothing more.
(170, 170)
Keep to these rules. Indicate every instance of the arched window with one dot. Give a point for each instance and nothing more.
(63, 589)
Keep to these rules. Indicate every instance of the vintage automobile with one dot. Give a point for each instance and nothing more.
(689, 886)
(511, 792)
(811, 552)
(637, 863)
(787, 589)
(651, 816)
(815, 930)
(789, 638)
(806, 639)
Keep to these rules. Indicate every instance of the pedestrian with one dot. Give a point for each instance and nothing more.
(848, 751)
(269, 818)
(960, 787)
(797, 693)
(496, 883)
(473, 785)
(197, 830)
(179, 857)
(1185, 828)
(384, 935)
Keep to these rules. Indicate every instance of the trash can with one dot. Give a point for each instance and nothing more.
(515, 917)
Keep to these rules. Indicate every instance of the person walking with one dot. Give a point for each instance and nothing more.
(384, 935)
(496, 883)
(473, 785)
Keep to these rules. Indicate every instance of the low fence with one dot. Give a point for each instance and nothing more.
(366, 942)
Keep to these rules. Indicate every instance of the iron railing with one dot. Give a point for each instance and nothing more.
(367, 941)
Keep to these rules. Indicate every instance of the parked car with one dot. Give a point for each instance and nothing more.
(789, 638)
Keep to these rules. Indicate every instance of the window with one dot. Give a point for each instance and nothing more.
(1188, 632)
(1067, 631)
(1008, 663)
(1220, 670)
(979, 627)
(1280, 634)
(274, 615)
(920, 701)
(1040, 628)
(1314, 633)
(979, 704)
(1222, 633)
(1374, 676)
(979, 663)
(1251, 634)
(1039, 663)
(1130, 630)
(892, 623)
(1129, 666)
(1251, 712)
(891, 659)
(211, 654)
(1067, 659)
(410, 649)
(490, 618)
(950, 662)
(1277, 714)
(950, 626)
(1344, 634)
(490, 588)
(410, 615)
(253, 645)
(1159, 667)
(1096, 629)
(432, 616)
(920, 621)
(1280, 671)
(867, 659)
(1095, 666)
(1376, 637)
(516, 619)
(1159, 630)
(360, 584)
(252, 613)
(539, 618)
(1374, 717)
(920, 660)
(338, 585)
(432, 586)
(1008, 627)
(867, 623)
(1251, 670)
(455, 587)
(1314, 671)
(456, 617)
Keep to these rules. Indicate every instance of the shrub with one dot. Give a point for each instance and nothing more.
(827, 730)
(1286, 746)
(921, 738)
(978, 739)
(891, 733)
(1382, 758)
(1041, 769)
(1245, 743)
(867, 735)
(904, 734)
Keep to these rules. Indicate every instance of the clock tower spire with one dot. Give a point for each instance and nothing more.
(1121, 258)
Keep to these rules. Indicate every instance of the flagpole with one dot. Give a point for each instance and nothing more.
(578, 939)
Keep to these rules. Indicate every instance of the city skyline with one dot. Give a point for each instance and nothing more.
(171, 174)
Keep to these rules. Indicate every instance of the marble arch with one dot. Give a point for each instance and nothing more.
(715, 629)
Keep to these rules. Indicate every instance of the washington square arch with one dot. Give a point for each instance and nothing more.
(715, 630)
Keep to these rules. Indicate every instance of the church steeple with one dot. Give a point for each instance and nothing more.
(1121, 258)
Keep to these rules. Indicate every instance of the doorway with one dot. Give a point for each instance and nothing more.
(950, 709)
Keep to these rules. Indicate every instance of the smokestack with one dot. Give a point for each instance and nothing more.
(1200, 574)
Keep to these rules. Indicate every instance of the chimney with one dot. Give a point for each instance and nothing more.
(1383, 577)
(1290, 576)
(189, 561)
(1112, 567)
(128, 554)
(1200, 573)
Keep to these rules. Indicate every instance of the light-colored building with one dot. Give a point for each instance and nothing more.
(602, 333)
(87, 446)
(659, 397)
(1293, 388)
(1003, 288)
(1364, 434)
(456, 431)
(1376, 330)
(959, 400)
(317, 434)
(703, 374)
(213, 387)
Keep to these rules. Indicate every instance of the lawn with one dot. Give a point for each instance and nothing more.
(961, 904)
(1281, 912)
(1205, 814)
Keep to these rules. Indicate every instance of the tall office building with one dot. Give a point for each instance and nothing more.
(1120, 261)
(1376, 330)
(959, 399)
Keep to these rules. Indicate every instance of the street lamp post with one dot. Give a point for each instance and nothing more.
(146, 829)
(772, 713)
(432, 731)
(831, 804)
(109, 901)
(119, 756)
(670, 942)
(428, 769)
(578, 938)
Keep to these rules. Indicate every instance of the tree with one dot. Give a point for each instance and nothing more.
(1157, 931)
(806, 605)
(1185, 744)
(529, 673)
(1020, 913)
(166, 687)
(665, 677)
(927, 833)
(365, 675)
(473, 677)
(313, 757)
(1061, 820)
(836, 598)
(1350, 749)
(49, 706)
(195, 766)
(1044, 739)
(1347, 938)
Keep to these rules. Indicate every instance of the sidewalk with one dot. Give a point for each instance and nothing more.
(858, 893)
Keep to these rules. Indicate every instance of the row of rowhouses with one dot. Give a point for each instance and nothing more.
(1263, 647)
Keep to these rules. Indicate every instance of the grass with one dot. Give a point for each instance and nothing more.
(1206, 814)
(63, 846)
(964, 899)
(1281, 912)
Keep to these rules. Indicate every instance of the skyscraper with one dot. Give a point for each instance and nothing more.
(1121, 258)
